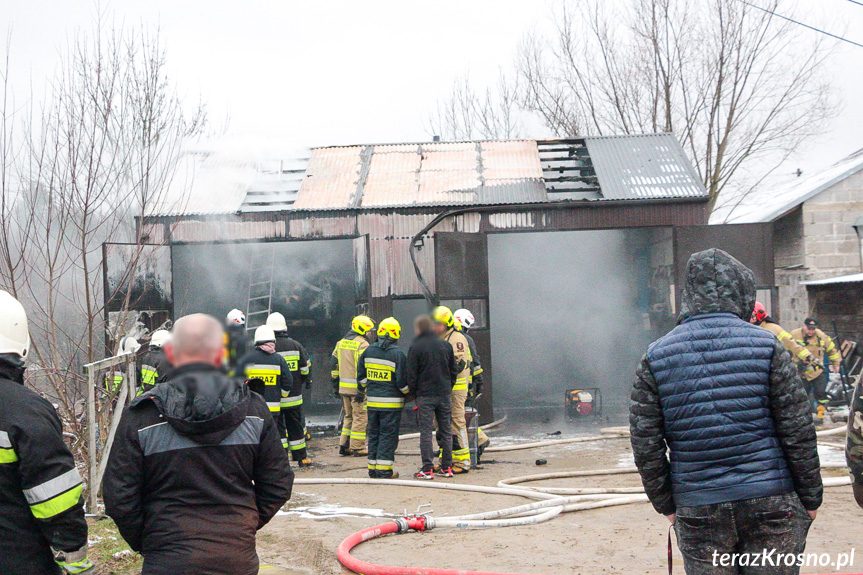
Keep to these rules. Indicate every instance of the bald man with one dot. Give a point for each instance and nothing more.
(197, 466)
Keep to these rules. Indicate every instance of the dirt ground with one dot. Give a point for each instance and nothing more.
(627, 539)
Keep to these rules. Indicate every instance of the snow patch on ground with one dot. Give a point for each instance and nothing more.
(831, 455)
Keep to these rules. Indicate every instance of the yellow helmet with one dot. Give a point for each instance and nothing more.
(390, 328)
(362, 324)
(443, 314)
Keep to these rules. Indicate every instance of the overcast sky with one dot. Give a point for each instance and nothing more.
(292, 74)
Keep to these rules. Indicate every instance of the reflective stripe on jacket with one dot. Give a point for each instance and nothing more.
(344, 362)
(299, 364)
(819, 345)
(461, 349)
(272, 370)
(382, 374)
(41, 503)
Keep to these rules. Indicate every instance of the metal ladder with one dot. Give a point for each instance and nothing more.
(261, 269)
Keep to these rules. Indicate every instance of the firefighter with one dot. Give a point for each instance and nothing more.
(464, 320)
(382, 377)
(445, 329)
(114, 378)
(292, 400)
(819, 345)
(761, 319)
(154, 365)
(344, 380)
(42, 526)
(236, 341)
(267, 373)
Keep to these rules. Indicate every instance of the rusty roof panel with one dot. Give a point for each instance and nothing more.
(331, 179)
(206, 231)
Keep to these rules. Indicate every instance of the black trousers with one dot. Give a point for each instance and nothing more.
(293, 418)
(382, 433)
(749, 537)
(431, 408)
(818, 388)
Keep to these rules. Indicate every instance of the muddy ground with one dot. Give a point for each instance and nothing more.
(628, 539)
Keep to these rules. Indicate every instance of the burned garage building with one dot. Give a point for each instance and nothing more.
(569, 251)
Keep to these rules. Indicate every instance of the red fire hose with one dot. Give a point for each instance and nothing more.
(398, 526)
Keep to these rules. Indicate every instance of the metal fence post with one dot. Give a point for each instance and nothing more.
(91, 431)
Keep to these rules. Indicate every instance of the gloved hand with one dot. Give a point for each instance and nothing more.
(308, 384)
(361, 396)
(477, 387)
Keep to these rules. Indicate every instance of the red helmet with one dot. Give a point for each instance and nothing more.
(759, 313)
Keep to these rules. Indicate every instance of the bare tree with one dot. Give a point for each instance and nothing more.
(738, 86)
(469, 114)
(87, 161)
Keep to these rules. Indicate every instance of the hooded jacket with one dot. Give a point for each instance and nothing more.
(724, 398)
(41, 506)
(196, 469)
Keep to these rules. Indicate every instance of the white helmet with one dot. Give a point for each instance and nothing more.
(129, 345)
(237, 317)
(264, 334)
(277, 321)
(14, 337)
(464, 317)
(160, 337)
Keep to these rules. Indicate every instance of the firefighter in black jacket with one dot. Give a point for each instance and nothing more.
(382, 375)
(42, 526)
(197, 466)
(155, 365)
(236, 341)
(268, 373)
(292, 400)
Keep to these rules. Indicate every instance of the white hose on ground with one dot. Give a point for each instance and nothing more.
(836, 481)
(425, 484)
(550, 442)
(531, 519)
(832, 431)
(491, 425)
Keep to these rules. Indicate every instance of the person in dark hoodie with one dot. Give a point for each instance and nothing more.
(197, 466)
(724, 398)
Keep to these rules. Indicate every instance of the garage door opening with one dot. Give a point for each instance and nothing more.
(575, 309)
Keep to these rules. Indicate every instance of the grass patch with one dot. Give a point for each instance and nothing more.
(109, 552)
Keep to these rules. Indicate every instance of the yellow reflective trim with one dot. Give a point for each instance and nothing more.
(8, 455)
(783, 335)
(478, 371)
(347, 384)
(385, 405)
(57, 505)
(459, 387)
(464, 379)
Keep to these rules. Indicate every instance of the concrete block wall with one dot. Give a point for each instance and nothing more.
(831, 245)
(828, 247)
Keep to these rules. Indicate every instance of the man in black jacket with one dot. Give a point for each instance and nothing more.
(197, 466)
(724, 398)
(431, 375)
(42, 526)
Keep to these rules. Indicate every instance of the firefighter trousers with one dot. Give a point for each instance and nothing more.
(293, 417)
(383, 435)
(354, 426)
(460, 445)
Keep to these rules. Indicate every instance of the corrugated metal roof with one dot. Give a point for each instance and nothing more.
(853, 278)
(504, 172)
(646, 166)
(208, 183)
(768, 204)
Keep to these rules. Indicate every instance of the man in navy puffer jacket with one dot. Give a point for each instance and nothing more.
(724, 398)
